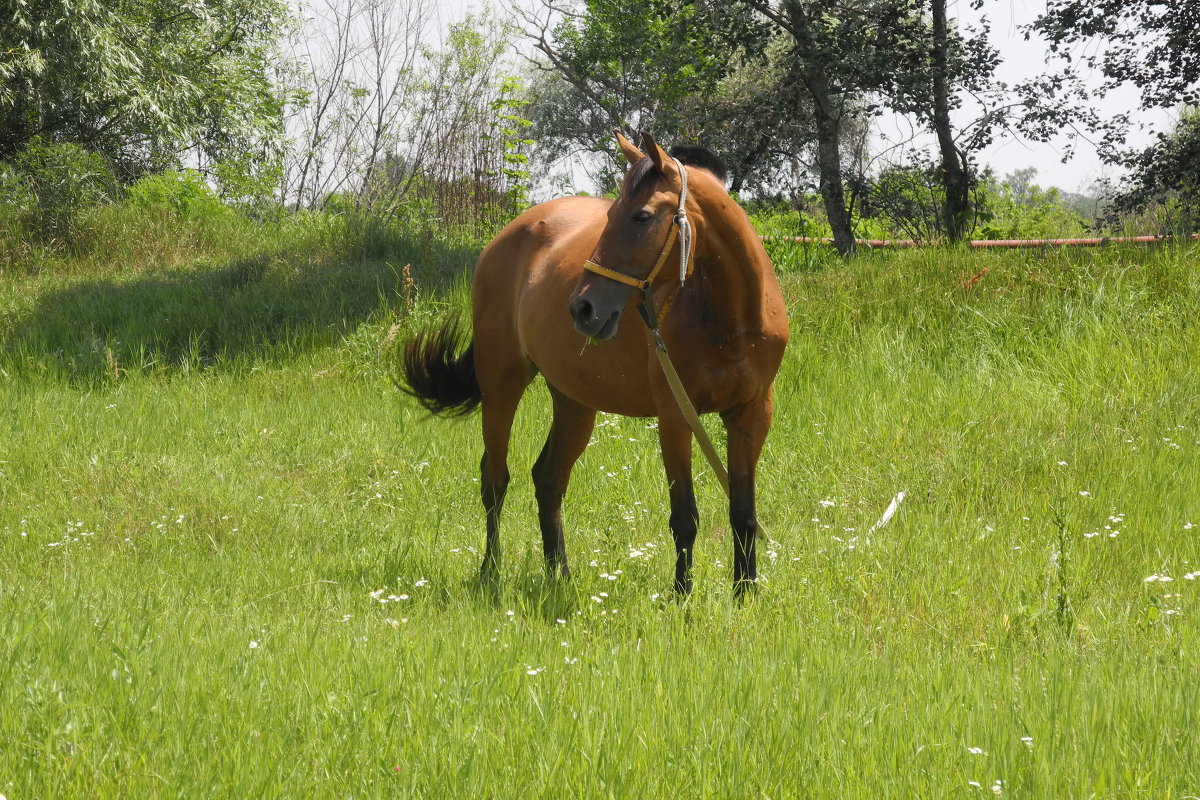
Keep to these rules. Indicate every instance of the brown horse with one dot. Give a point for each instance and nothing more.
(537, 308)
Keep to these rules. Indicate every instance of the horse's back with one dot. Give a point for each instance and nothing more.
(538, 230)
(536, 258)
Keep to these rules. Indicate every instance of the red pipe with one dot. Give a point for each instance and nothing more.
(982, 243)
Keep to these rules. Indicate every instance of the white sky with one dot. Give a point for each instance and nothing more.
(1021, 60)
(1026, 59)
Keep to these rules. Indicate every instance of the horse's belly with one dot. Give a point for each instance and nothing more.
(608, 376)
(603, 393)
(602, 375)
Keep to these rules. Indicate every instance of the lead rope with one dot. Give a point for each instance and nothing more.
(684, 224)
(681, 398)
(650, 317)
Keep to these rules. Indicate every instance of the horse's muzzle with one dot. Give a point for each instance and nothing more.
(590, 321)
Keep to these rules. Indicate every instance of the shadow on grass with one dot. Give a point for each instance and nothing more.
(272, 306)
(545, 597)
(549, 597)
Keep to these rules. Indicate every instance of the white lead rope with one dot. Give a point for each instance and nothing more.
(684, 224)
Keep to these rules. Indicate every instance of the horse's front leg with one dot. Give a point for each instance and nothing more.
(747, 427)
(675, 439)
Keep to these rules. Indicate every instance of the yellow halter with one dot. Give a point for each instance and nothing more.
(681, 229)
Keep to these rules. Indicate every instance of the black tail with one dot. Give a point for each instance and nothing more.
(443, 381)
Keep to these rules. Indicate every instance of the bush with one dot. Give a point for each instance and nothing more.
(1017, 208)
(183, 193)
(14, 202)
(905, 201)
(49, 186)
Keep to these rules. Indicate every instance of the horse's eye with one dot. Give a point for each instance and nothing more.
(642, 217)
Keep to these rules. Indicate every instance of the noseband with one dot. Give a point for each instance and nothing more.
(681, 229)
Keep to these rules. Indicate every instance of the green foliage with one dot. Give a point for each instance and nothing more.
(184, 193)
(903, 203)
(141, 82)
(907, 200)
(1149, 44)
(1166, 179)
(49, 186)
(1144, 45)
(781, 222)
(659, 49)
(463, 162)
(693, 73)
(251, 184)
(509, 109)
(1016, 208)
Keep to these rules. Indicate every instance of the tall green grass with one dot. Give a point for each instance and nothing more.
(247, 569)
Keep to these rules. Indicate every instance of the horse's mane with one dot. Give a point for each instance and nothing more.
(692, 156)
(702, 157)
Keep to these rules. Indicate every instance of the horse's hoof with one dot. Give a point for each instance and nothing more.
(744, 589)
(489, 574)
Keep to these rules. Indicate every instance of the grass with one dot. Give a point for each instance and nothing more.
(244, 566)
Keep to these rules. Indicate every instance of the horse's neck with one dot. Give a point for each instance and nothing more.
(730, 262)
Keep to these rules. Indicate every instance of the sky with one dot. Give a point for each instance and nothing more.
(1021, 60)
(1026, 59)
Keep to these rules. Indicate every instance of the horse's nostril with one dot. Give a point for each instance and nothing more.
(583, 310)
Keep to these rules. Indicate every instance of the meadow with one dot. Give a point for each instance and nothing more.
(236, 562)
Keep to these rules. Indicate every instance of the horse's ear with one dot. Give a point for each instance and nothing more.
(629, 149)
(656, 153)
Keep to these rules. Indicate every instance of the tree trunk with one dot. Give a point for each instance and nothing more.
(829, 161)
(956, 206)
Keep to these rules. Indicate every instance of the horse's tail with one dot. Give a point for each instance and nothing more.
(434, 373)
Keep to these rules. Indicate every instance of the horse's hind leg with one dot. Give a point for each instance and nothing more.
(569, 435)
(500, 399)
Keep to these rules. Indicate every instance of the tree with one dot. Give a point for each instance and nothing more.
(1167, 174)
(950, 62)
(955, 181)
(693, 72)
(1148, 43)
(384, 123)
(1144, 43)
(142, 82)
(350, 92)
(844, 55)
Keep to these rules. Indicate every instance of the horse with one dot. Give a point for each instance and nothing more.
(549, 296)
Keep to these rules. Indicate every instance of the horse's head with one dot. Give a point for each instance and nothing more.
(633, 248)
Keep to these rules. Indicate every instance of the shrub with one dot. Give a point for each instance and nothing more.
(183, 193)
(1017, 208)
(52, 185)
